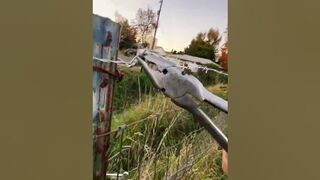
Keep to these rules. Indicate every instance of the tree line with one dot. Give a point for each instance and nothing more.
(138, 30)
(205, 44)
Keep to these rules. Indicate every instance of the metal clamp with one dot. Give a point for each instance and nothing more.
(180, 88)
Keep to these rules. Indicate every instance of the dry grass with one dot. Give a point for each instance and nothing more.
(170, 149)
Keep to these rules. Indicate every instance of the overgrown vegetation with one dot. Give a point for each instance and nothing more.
(208, 78)
(205, 45)
(131, 89)
(162, 140)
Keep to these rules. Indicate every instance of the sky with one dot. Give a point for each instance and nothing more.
(180, 20)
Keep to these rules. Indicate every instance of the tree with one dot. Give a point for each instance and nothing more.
(127, 36)
(223, 60)
(213, 37)
(205, 45)
(128, 33)
(173, 51)
(145, 23)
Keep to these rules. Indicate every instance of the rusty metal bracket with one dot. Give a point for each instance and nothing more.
(118, 75)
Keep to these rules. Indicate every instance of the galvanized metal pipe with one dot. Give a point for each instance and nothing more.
(187, 103)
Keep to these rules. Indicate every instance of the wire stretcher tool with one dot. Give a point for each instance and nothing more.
(181, 87)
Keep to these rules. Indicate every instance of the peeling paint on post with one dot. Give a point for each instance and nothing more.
(105, 45)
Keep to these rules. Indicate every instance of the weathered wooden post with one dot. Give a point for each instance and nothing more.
(105, 46)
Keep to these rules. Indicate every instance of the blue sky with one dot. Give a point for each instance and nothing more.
(180, 20)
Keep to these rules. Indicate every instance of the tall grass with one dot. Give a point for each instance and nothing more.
(168, 143)
(131, 89)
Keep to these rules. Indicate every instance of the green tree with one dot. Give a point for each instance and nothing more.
(205, 45)
(128, 33)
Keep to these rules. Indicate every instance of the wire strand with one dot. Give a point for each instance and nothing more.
(131, 63)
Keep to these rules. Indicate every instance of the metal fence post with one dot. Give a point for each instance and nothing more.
(105, 45)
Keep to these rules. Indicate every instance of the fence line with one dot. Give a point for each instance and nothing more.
(125, 126)
(163, 150)
(133, 62)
